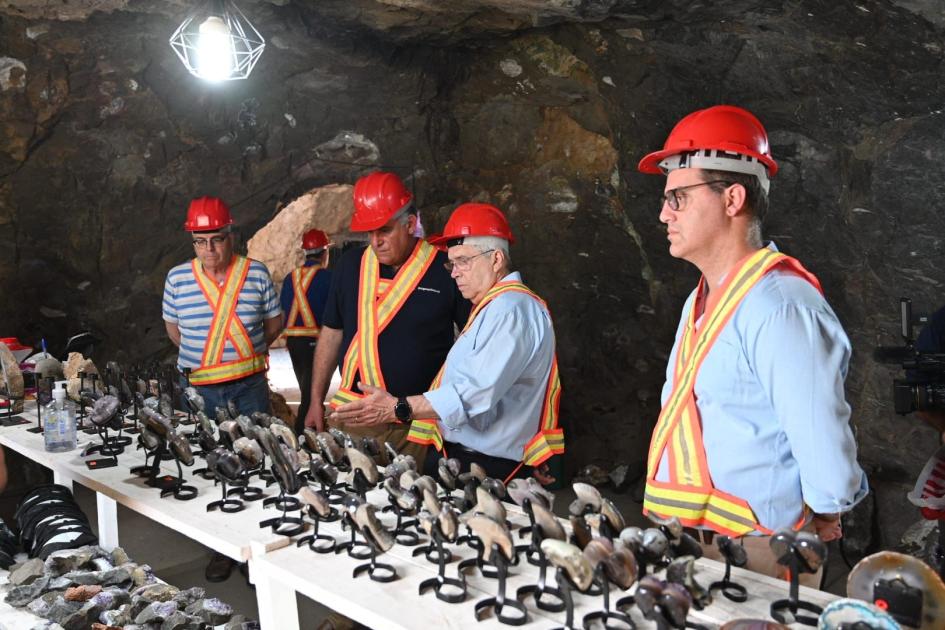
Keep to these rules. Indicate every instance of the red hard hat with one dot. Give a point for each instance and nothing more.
(722, 127)
(377, 198)
(475, 219)
(314, 239)
(207, 214)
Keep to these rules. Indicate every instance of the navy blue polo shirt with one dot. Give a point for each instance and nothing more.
(317, 294)
(414, 345)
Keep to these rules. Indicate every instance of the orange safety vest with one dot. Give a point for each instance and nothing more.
(225, 327)
(549, 440)
(690, 495)
(301, 280)
(379, 301)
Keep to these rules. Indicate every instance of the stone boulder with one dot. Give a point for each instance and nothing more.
(278, 244)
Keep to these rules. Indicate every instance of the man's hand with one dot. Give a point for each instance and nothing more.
(376, 408)
(315, 418)
(542, 475)
(827, 526)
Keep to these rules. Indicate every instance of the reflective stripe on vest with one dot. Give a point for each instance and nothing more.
(301, 280)
(375, 312)
(549, 440)
(690, 494)
(225, 327)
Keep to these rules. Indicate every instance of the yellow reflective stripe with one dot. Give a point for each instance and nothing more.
(745, 277)
(425, 432)
(301, 280)
(341, 397)
(369, 362)
(704, 506)
(349, 366)
(373, 316)
(224, 325)
(542, 446)
(228, 371)
(552, 398)
(301, 331)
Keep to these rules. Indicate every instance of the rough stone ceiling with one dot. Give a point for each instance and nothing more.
(449, 19)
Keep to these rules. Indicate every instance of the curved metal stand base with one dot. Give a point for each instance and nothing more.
(284, 503)
(313, 543)
(246, 493)
(780, 607)
(486, 570)
(439, 582)
(377, 571)
(229, 506)
(605, 617)
(355, 549)
(432, 554)
(407, 538)
(284, 525)
(732, 591)
(536, 592)
(499, 608)
(181, 492)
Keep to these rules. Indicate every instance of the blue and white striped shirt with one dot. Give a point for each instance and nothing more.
(186, 306)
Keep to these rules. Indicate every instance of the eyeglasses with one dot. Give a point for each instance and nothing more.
(462, 262)
(216, 241)
(671, 197)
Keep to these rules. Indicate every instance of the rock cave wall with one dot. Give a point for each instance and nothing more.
(104, 138)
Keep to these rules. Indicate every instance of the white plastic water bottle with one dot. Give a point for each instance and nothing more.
(59, 429)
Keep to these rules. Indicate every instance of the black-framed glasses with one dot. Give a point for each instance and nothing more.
(203, 243)
(462, 262)
(671, 197)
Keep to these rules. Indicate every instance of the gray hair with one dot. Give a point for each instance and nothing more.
(485, 243)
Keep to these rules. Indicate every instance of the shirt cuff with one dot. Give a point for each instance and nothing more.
(448, 406)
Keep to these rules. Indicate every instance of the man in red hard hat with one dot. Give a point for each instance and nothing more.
(495, 400)
(303, 297)
(222, 312)
(391, 311)
(754, 431)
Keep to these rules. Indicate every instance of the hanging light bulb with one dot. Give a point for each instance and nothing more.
(215, 58)
(217, 42)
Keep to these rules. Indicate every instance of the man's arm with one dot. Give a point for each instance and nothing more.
(323, 366)
(272, 328)
(173, 332)
(800, 355)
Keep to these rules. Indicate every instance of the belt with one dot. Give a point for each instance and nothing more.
(704, 536)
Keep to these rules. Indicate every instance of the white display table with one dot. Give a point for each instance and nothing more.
(279, 569)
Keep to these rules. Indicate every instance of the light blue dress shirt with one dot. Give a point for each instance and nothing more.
(491, 395)
(775, 422)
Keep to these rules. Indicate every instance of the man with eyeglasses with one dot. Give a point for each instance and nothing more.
(391, 310)
(754, 434)
(495, 400)
(222, 312)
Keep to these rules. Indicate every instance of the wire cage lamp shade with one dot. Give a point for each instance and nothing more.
(216, 42)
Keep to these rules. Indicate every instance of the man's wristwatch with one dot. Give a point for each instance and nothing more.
(402, 410)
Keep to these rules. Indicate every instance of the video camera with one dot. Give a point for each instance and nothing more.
(923, 388)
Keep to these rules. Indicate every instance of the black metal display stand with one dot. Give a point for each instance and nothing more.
(500, 603)
(440, 582)
(787, 611)
(605, 616)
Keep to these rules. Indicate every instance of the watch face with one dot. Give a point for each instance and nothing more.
(402, 410)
